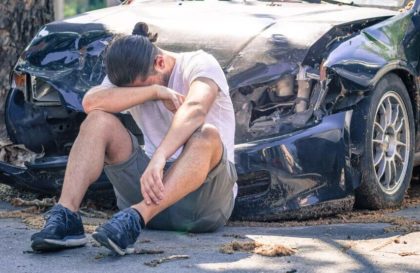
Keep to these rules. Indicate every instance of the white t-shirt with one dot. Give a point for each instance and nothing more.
(154, 119)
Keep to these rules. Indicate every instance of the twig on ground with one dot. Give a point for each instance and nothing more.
(19, 213)
(147, 251)
(154, 263)
(236, 236)
(44, 203)
(387, 243)
(403, 254)
(92, 213)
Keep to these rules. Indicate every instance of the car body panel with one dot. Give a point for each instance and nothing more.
(297, 176)
(378, 49)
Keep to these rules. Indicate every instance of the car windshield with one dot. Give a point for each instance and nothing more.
(392, 4)
(376, 3)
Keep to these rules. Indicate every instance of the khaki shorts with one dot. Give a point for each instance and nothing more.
(204, 210)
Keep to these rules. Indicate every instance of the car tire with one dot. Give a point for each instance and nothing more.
(384, 126)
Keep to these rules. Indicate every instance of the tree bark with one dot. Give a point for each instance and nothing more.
(20, 20)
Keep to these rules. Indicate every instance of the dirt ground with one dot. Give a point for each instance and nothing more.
(356, 241)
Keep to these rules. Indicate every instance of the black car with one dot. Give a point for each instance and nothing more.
(326, 97)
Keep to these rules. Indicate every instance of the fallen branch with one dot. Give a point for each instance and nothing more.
(44, 203)
(403, 254)
(236, 236)
(19, 213)
(390, 241)
(92, 213)
(154, 263)
(136, 251)
(148, 251)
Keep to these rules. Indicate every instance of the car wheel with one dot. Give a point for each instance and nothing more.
(385, 124)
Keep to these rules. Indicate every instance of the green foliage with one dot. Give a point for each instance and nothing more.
(73, 7)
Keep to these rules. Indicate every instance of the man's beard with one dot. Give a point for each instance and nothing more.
(164, 79)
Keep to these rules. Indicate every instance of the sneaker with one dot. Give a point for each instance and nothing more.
(120, 233)
(63, 229)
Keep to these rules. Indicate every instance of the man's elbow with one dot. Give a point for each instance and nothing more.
(87, 104)
(90, 99)
(198, 113)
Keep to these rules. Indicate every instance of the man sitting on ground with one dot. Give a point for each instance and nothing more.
(183, 179)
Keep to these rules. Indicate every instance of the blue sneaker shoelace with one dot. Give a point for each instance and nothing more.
(56, 216)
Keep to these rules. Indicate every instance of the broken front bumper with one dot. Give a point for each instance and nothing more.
(276, 176)
(44, 175)
(302, 169)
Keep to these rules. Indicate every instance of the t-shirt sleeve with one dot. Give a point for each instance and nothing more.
(106, 83)
(206, 66)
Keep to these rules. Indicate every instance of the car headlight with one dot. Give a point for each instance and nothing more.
(43, 93)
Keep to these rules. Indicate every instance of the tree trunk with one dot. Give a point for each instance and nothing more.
(20, 20)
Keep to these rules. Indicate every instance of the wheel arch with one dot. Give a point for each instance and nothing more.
(412, 89)
(409, 79)
(357, 135)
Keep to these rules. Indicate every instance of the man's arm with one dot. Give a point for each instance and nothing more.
(189, 117)
(117, 99)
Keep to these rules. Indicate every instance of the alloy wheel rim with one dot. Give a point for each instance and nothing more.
(390, 142)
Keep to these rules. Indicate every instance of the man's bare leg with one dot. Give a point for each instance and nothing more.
(102, 138)
(202, 152)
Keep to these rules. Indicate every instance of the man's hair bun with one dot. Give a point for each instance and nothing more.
(142, 29)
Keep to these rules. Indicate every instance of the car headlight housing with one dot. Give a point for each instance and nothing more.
(42, 93)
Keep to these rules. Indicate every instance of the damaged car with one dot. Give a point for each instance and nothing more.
(326, 97)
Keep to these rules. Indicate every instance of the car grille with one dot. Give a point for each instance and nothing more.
(255, 183)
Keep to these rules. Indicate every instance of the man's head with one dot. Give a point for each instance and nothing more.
(133, 60)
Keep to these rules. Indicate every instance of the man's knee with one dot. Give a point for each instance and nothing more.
(98, 120)
(206, 134)
(207, 139)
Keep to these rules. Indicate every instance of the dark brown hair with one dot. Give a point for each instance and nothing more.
(131, 56)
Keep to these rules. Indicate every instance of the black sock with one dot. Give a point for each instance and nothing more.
(142, 224)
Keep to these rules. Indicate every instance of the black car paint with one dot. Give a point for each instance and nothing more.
(278, 172)
(358, 64)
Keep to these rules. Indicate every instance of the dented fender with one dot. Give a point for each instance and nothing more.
(363, 60)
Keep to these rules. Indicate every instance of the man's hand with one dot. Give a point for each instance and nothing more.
(151, 181)
(171, 99)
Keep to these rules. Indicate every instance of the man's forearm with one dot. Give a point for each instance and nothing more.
(117, 99)
(186, 121)
(189, 117)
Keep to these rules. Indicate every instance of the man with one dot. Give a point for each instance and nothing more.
(184, 177)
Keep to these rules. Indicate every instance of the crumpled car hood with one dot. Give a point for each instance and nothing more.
(68, 53)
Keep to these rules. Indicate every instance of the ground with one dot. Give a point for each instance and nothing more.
(359, 241)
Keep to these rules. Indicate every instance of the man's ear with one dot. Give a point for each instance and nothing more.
(159, 64)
